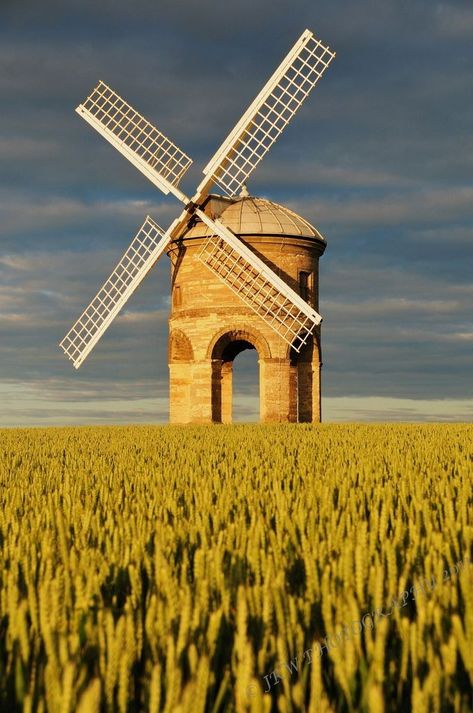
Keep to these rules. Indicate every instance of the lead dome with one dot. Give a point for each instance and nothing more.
(248, 215)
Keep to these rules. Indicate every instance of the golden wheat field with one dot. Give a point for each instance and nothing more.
(239, 569)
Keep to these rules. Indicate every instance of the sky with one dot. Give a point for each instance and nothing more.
(379, 159)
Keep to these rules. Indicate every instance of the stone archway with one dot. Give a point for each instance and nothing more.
(201, 377)
(222, 352)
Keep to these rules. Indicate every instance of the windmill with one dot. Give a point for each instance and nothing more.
(223, 252)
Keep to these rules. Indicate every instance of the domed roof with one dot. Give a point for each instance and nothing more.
(247, 215)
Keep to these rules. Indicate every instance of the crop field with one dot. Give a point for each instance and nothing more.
(242, 569)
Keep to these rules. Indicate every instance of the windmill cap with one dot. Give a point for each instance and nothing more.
(248, 215)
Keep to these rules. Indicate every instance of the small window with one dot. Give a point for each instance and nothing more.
(305, 285)
(177, 301)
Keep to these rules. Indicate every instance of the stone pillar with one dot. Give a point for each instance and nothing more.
(221, 388)
(308, 382)
(305, 391)
(309, 392)
(317, 392)
(293, 393)
(227, 391)
(201, 392)
(216, 391)
(316, 380)
(180, 379)
(276, 398)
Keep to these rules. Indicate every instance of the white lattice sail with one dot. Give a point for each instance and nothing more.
(160, 160)
(146, 247)
(156, 156)
(257, 285)
(269, 113)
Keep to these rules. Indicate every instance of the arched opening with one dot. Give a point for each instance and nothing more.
(235, 389)
(245, 385)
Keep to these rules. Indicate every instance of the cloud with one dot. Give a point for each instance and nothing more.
(455, 20)
(394, 306)
(54, 402)
(42, 294)
(402, 410)
(26, 214)
(379, 158)
(416, 206)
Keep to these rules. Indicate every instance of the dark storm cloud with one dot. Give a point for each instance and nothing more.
(379, 159)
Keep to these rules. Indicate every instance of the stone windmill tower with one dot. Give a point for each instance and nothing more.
(244, 269)
(210, 325)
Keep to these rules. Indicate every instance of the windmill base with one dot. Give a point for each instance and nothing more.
(201, 390)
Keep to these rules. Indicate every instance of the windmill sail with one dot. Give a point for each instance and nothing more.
(146, 247)
(156, 156)
(269, 114)
(257, 285)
